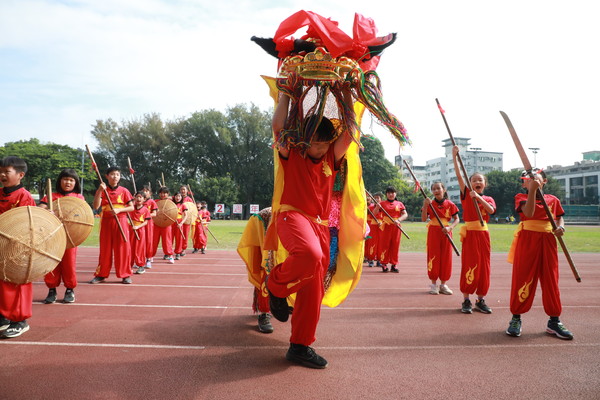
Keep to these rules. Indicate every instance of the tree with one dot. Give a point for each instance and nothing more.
(218, 190)
(377, 170)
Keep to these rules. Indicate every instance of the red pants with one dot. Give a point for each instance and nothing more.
(149, 228)
(179, 238)
(199, 237)
(166, 236)
(16, 301)
(475, 269)
(389, 244)
(371, 245)
(65, 271)
(112, 243)
(186, 233)
(302, 272)
(536, 257)
(439, 254)
(138, 247)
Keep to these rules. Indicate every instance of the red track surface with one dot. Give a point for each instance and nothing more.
(186, 331)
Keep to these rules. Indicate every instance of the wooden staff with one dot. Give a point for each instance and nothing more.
(163, 178)
(373, 216)
(110, 204)
(386, 213)
(460, 162)
(132, 172)
(529, 169)
(49, 194)
(417, 184)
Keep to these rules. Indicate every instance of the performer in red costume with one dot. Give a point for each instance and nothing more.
(375, 228)
(15, 300)
(140, 217)
(439, 249)
(389, 239)
(178, 232)
(535, 257)
(67, 184)
(112, 243)
(149, 228)
(476, 247)
(202, 221)
(164, 235)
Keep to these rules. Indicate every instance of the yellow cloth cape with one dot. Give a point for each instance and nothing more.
(353, 216)
(251, 250)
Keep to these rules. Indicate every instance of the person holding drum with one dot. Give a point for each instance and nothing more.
(16, 301)
(67, 185)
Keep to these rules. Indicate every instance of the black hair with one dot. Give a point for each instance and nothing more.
(68, 173)
(378, 194)
(141, 193)
(163, 189)
(111, 169)
(443, 187)
(17, 163)
(323, 132)
(390, 189)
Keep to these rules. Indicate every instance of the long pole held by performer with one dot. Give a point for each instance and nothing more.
(460, 162)
(437, 217)
(132, 172)
(529, 169)
(386, 213)
(49, 194)
(110, 204)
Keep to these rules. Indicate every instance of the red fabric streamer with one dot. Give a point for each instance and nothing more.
(131, 171)
(417, 187)
(441, 109)
(94, 166)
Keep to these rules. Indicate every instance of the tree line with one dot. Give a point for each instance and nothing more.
(224, 157)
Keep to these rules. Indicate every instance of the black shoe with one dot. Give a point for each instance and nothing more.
(202, 251)
(195, 251)
(278, 305)
(166, 257)
(558, 329)
(51, 298)
(97, 279)
(15, 329)
(306, 356)
(264, 323)
(176, 256)
(69, 296)
(467, 307)
(514, 327)
(127, 280)
(4, 323)
(384, 269)
(482, 307)
(394, 269)
(182, 254)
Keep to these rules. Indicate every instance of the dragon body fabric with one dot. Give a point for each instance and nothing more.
(313, 71)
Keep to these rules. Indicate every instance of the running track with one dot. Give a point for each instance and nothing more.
(186, 331)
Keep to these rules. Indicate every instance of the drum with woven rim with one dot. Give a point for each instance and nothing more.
(192, 213)
(32, 243)
(166, 214)
(77, 217)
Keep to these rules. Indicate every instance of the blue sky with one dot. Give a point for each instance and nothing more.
(65, 64)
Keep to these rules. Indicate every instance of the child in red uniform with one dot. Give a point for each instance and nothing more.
(439, 249)
(183, 189)
(140, 217)
(303, 231)
(371, 245)
(476, 248)
(178, 227)
(149, 228)
(163, 234)
(536, 257)
(389, 238)
(15, 300)
(111, 239)
(67, 184)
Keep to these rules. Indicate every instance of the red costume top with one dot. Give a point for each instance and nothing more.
(203, 216)
(181, 208)
(120, 198)
(55, 196)
(309, 183)
(394, 208)
(539, 213)
(469, 212)
(445, 210)
(139, 215)
(370, 219)
(16, 196)
(151, 205)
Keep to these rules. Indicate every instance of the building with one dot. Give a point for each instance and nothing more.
(442, 168)
(580, 180)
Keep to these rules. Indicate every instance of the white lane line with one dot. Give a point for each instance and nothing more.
(324, 348)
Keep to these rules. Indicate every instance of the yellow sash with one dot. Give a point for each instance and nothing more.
(535, 225)
(434, 222)
(471, 226)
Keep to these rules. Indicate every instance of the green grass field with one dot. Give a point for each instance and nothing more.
(578, 238)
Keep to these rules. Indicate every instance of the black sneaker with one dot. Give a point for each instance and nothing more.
(127, 280)
(384, 269)
(166, 257)
(15, 329)
(305, 356)
(195, 251)
(467, 307)
(51, 298)
(558, 329)
(394, 269)
(182, 254)
(97, 279)
(482, 307)
(202, 251)
(278, 305)
(176, 256)
(264, 323)
(69, 296)
(4, 323)
(514, 327)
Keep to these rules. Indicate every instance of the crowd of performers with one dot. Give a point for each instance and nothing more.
(129, 257)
